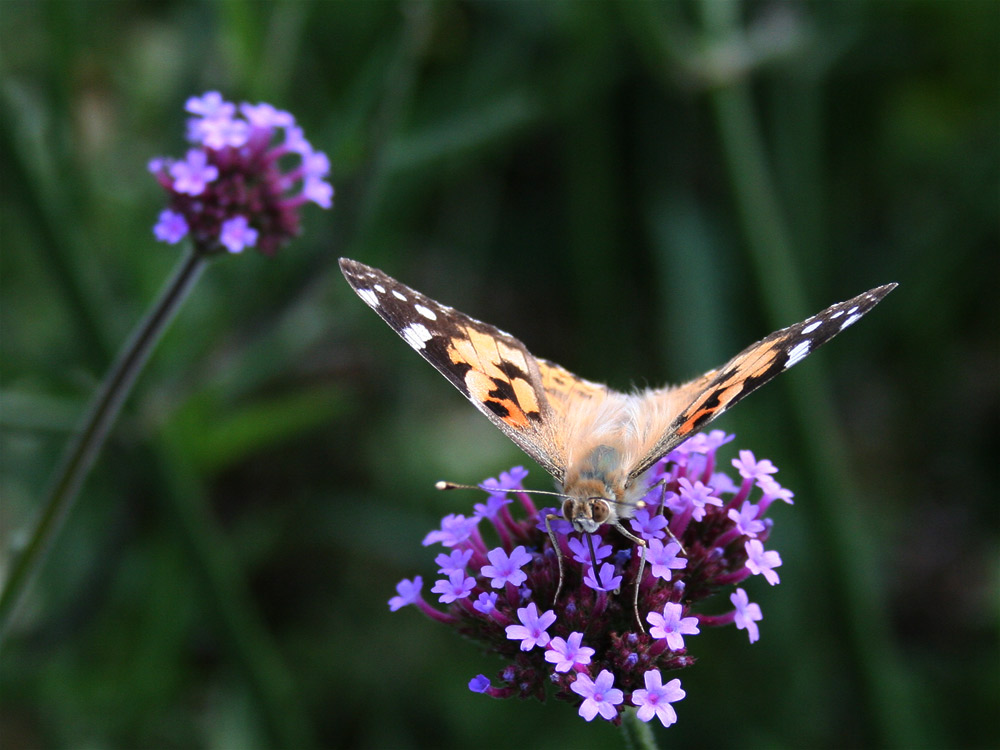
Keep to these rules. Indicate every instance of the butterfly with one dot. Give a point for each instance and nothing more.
(597, 443)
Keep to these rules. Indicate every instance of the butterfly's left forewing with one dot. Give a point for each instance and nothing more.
(494, 370)
(703, 399)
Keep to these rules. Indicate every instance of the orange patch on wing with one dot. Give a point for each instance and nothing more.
(563, 387)
(512, 355)
(525, 395)
(724, 396)
(461, 351)
(764, 359)
(485, 353)
(728, 395)
(479, 385)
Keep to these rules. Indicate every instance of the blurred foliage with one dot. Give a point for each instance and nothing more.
(637, 190)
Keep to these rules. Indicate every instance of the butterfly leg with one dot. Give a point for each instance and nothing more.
(663, 504)
(641, 544)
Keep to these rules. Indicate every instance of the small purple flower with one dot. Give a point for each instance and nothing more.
(171, 227)
(486, 602)
(746, 519)
(649, 525)
(210, 104)
(455, 529)
(264, 116)
(761, 561)
(599, 697)
(219, 132)
(458, 586)
(750, 468)
(698, 495)
(567, 653)
(553, 517)
(408, 593)
(656, 698)
(671, 626)
(774, 491)
(723, 484)
(532, 630)
(236, 234)
(513, 479)
(192, 175)
(663, 559)
(479, 684)
(318, 191)
(706, 442)
(747, 614)
(457, 560)
(504, 569)
(315, 164)
(606, 580)
(581, 549)
(493, 505)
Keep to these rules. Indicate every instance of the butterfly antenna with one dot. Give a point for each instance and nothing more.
(444, 485)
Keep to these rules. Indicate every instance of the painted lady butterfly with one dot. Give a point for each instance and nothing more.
(595, 442)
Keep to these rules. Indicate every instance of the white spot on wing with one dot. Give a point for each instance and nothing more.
(416, 335)
(368, 296)
(836, 314)
(850, 321)
(398, 295)
(812, 326)
(798, 352)
(380, 289)
(427, 313)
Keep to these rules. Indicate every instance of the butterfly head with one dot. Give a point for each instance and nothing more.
(590, 504)
(587, 515)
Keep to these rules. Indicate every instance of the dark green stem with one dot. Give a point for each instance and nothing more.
(774, 260)
(638, 734)
(101, 415)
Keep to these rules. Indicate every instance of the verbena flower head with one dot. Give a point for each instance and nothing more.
(705, 532)
(230, 192)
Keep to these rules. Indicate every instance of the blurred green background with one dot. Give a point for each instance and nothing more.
(637, 190)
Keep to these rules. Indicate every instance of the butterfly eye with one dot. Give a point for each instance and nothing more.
(600, 511)
(567, 509)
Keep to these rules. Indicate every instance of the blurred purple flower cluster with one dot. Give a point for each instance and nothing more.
(229, 191)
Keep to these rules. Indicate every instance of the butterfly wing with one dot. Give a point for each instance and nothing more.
(705, 398)
(523, 396)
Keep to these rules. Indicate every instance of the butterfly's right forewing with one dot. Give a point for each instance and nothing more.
(713, 393)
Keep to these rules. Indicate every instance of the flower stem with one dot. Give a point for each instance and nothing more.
(638, 735)
(83, 449)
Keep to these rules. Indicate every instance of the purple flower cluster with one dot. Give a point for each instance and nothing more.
(703, 532)
(229, 192)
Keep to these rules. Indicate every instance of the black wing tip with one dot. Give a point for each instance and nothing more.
(868, 300)
(351, 266)
(872, 297)
(358, 273)
(880, 291)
